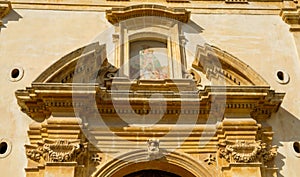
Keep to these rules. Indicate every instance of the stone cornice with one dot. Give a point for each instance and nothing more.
(5, 7)
(196, 7)
(116, 15)
(41, 100)
(292, 17)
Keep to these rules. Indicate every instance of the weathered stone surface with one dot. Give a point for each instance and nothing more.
(222, 111)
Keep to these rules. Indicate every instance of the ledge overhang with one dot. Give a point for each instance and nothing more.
(40, 100)
(116, 15)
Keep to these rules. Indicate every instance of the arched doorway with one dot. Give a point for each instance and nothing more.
(155, 168)
(135, 163)
(151, 173)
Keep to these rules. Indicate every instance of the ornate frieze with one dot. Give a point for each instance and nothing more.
(246, 151)
(56, 151)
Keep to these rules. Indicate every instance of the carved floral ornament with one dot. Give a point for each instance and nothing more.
(56, 151)
(246, 152)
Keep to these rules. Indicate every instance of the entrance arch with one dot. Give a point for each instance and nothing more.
(151, 173)
(177, 163)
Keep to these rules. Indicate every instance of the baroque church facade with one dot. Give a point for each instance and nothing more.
(175, 88)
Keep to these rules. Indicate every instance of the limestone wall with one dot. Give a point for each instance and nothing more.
(35, 39)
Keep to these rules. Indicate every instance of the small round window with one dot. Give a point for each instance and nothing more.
(16, 74)
(296, 147)
(282, 77)
(5, 148)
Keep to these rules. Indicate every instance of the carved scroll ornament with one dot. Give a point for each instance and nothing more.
(58, 151)
(245, 152)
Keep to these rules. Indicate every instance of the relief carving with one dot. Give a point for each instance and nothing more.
(96, 159)
(153, 148)
(57, 151)
(210, 160)
(35, 154)
(245, 152)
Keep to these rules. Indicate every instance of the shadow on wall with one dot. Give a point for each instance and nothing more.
(12, 16)
(286, 129)
(192, 27)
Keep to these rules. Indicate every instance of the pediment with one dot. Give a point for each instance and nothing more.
(86, 73)
(223, 68)
(89, 64)
(84, 65)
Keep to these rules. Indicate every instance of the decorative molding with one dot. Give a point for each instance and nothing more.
(246, 151)
(116, 15)
(177, 159)
(56, 151)
(84, 61)
(5, 7)
(260, 102)
(236, 1)
(291, 16)
(178, 1)
(220, 65)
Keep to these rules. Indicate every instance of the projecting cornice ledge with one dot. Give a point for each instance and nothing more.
(116, 15)
(5, 7)
(292, 17)
(41, 100)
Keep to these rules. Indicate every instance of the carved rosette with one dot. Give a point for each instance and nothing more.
(246, 152)
(56, 151)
